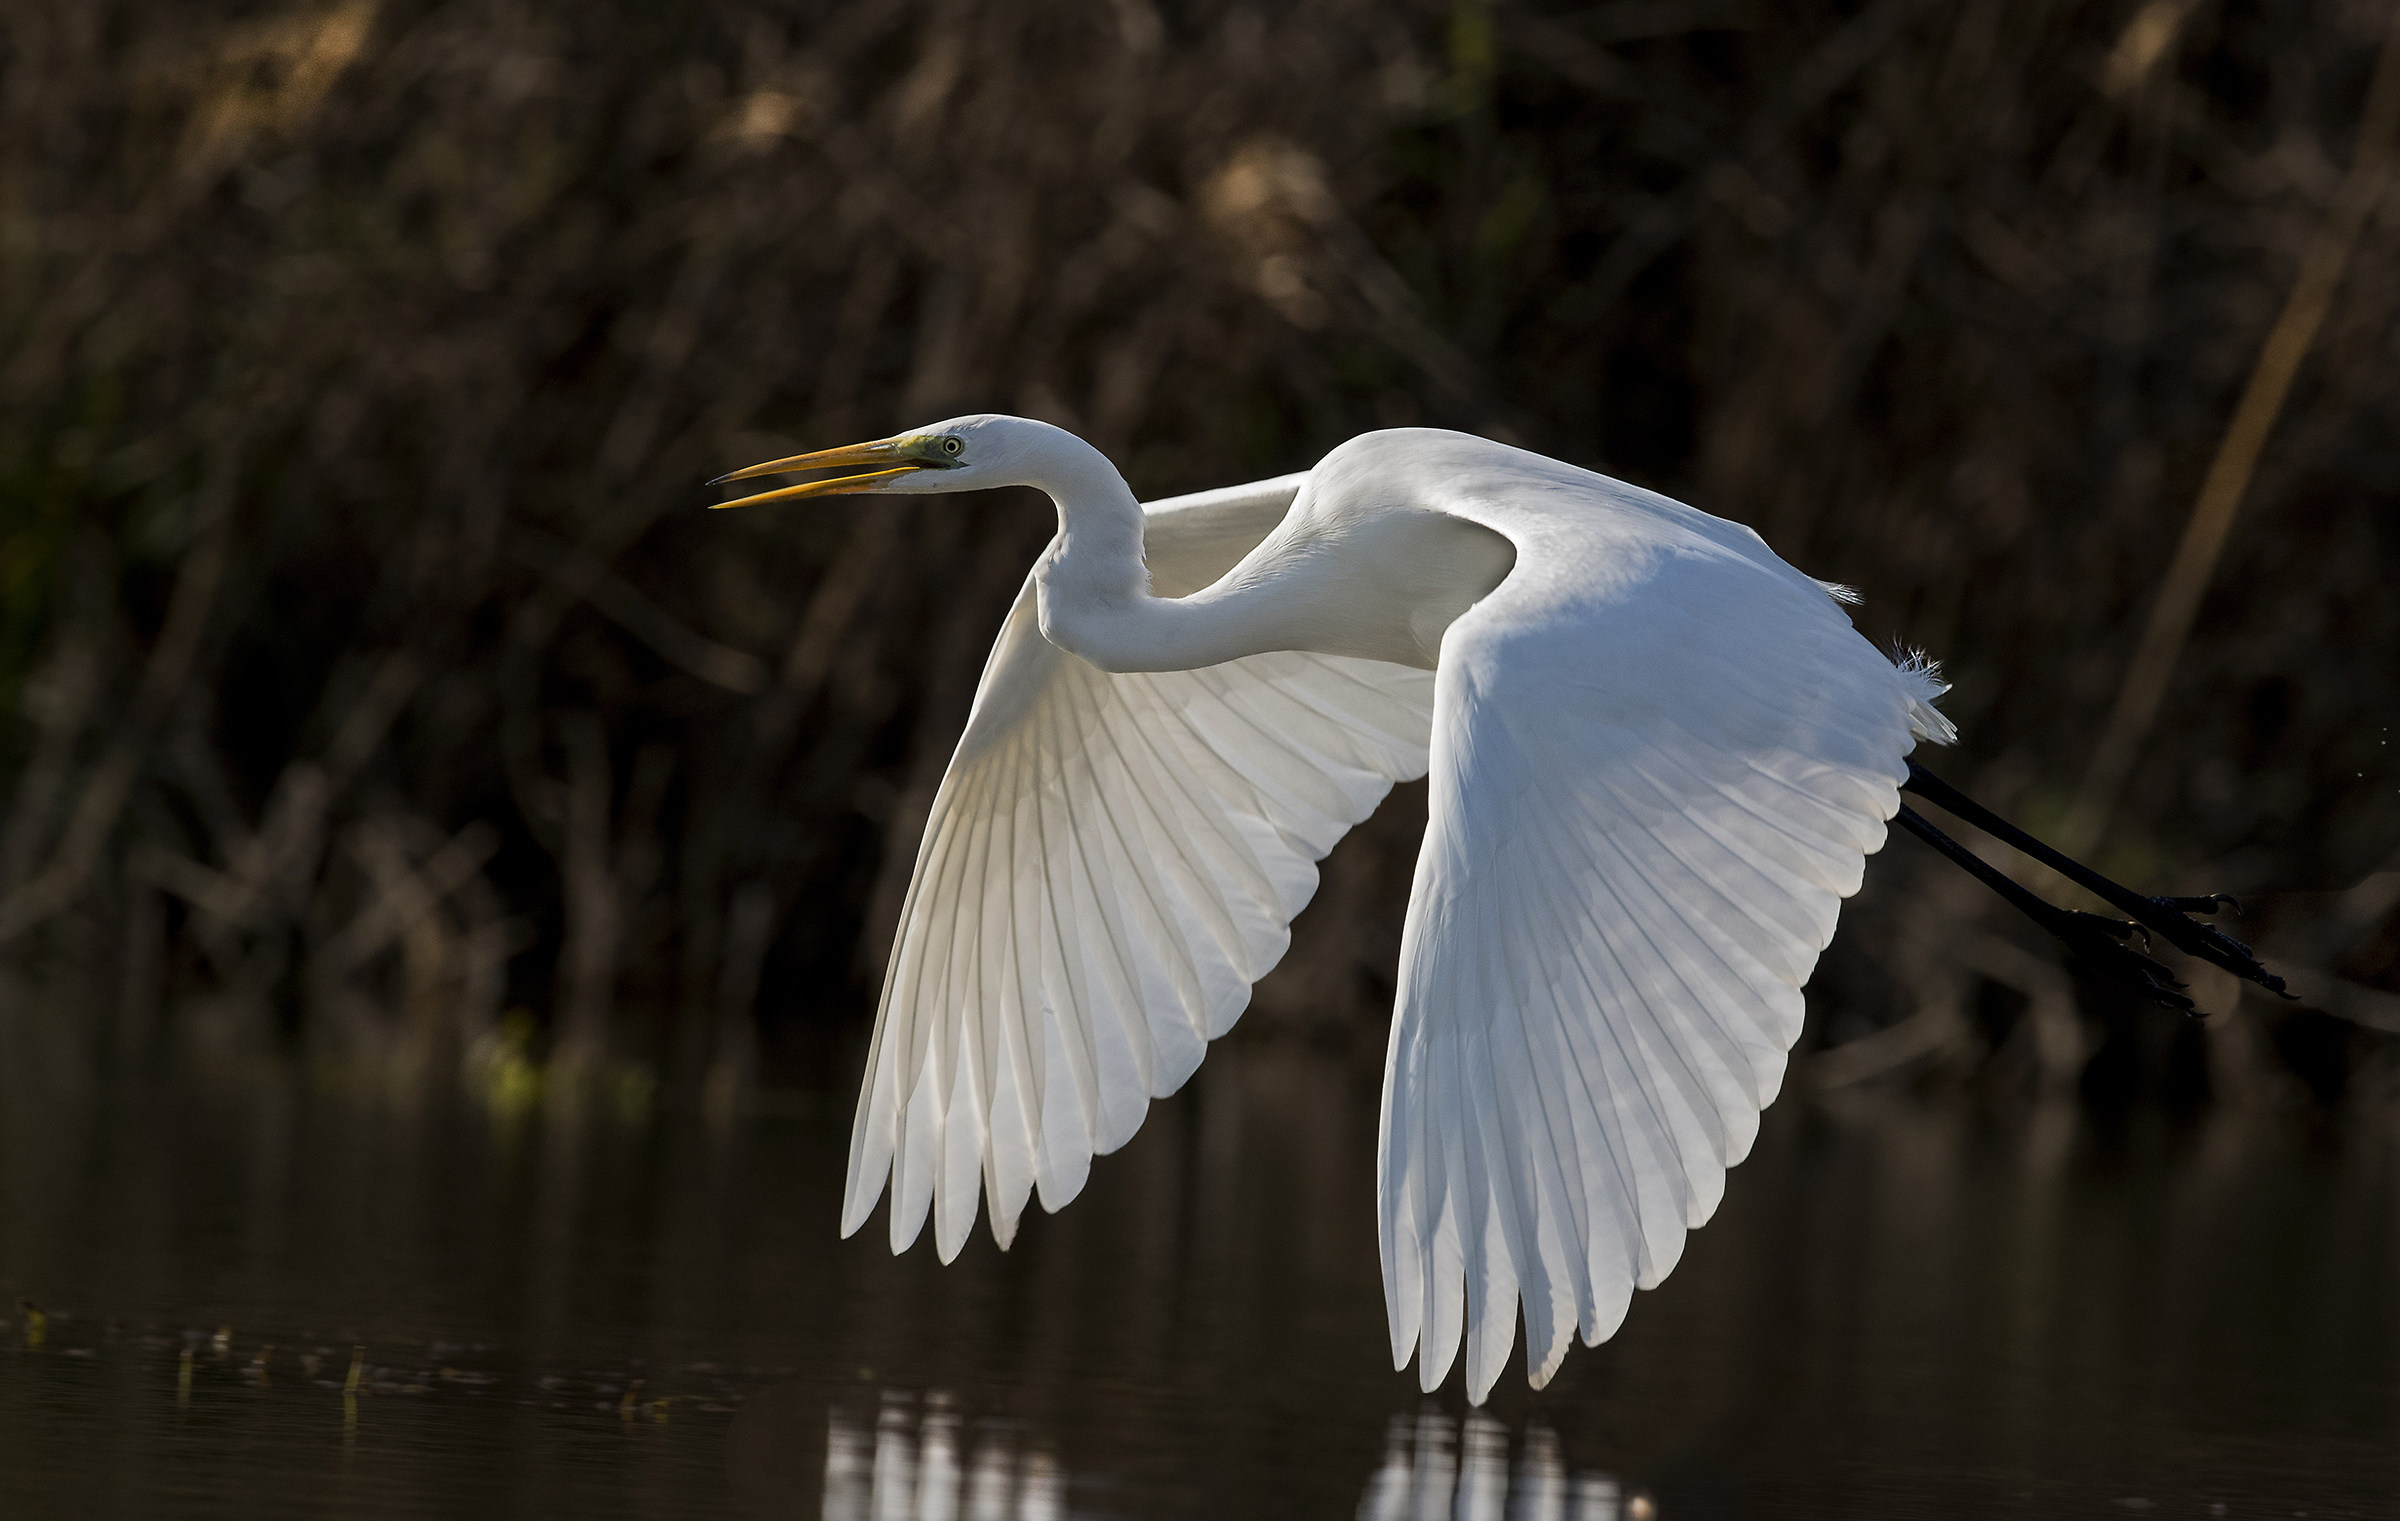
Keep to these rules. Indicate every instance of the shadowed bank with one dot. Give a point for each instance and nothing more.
(369, 654)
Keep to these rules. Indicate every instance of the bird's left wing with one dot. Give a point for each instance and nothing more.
(1110, 863)
(1653, 782)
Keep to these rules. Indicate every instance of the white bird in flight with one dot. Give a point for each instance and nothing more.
(1659, 758)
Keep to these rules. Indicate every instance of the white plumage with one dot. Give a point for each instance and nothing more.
(1659, 757)
(1111, 862)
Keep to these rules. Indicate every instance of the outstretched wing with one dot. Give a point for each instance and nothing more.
(1654, 781)
(1111, 862)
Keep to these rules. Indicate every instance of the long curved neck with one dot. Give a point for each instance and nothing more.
(1094, 587)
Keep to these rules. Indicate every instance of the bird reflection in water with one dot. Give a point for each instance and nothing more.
(921, 1461)
(914, 1465)
(1436, 1467)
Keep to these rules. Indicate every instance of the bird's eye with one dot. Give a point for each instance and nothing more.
(952, 446)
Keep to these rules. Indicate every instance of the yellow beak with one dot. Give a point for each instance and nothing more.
(885, 453)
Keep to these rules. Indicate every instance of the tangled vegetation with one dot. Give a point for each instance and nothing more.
(370, 669)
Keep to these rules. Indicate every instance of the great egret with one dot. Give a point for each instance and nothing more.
(1659, 755)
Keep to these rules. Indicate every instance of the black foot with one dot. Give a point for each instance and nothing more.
(2102, 944)
(2105, 946)
(2165, 917)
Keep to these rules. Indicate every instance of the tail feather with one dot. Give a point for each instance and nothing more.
(1921, 674)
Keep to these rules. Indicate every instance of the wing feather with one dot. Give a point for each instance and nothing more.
(1654, 781)
(1110, 863)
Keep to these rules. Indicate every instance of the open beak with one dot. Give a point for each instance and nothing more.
(884, 456)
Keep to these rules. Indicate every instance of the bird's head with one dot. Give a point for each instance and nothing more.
(964, 454)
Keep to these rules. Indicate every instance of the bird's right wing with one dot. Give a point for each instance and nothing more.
(1110, 863)
(1653, 782)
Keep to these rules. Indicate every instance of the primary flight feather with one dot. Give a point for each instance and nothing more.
(1659, 757)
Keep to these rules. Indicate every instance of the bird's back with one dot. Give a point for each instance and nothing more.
(1584, 532)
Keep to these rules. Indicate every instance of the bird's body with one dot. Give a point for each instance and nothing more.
(1658, 756)
(1362, 561)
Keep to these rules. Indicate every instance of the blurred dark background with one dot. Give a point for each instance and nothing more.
(374, 684)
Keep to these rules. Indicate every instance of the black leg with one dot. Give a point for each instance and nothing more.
(2099, 942)
(2167, 917)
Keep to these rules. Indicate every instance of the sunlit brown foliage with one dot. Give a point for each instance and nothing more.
(372, 655)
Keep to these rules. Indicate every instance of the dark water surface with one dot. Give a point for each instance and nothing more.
(1903, 1309)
